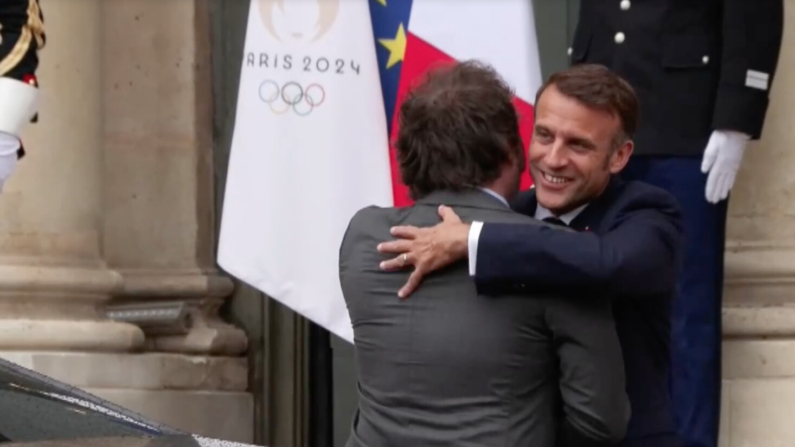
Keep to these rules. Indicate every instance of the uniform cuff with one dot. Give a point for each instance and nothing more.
(741, 109)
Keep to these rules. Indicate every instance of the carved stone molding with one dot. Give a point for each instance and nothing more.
(208, 333)
(759, 297)
(753, 263)
(145, 284)
(199, 330)
(55, 308)
(775, 321)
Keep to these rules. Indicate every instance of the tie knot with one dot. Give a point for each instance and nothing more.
(555, 221)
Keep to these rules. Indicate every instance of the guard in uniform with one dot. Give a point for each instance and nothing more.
(703, 71)
(21, 37)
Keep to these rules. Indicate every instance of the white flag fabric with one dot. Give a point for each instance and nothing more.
(310, 148)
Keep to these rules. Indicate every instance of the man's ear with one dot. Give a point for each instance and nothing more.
(620, 156)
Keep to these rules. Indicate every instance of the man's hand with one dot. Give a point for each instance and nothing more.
(722, 159)
(427, 249)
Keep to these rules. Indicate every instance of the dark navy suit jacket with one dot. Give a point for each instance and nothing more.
(629, 244)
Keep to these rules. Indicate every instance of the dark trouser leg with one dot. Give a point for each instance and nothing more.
(696, 325)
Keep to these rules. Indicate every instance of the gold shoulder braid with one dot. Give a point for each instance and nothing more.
(32, 29)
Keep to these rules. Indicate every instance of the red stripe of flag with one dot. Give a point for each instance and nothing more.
(419, 57)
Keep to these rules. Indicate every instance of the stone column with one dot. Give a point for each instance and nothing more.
(52, 275)
(759, 309)
(159, 221)
(158, 183)
(114, 204)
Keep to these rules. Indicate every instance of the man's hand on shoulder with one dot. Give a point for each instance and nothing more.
(427, 249)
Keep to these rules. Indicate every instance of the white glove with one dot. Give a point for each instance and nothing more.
(7, 165)
(722, 160)
(8, 156)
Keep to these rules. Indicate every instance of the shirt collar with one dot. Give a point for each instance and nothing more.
(495, 195)
(542, 213)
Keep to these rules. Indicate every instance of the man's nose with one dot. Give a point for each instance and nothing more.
(556, 157)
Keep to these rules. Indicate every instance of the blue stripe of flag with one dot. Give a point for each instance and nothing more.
(386, 20)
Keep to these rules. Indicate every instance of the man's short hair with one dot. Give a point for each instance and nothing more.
(458, 129)
(597, 87)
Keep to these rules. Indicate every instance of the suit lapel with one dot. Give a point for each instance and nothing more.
(588, 219)
(591, 217)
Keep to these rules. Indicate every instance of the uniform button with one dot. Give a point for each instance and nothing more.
(620, 37)
(625, 4)
(569, 51)
(705, 60)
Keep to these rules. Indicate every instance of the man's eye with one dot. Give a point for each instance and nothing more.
(579, 145)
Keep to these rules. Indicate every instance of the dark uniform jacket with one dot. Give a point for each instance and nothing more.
(21, 36)
(451, 367)
(697, 65)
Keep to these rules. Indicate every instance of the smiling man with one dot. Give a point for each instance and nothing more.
(576, 149)
(627, 243)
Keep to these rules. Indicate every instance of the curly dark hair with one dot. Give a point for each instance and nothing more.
(458, 129)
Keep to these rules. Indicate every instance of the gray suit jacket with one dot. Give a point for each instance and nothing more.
(449, 367)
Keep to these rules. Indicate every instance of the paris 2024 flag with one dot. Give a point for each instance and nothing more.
(310, 148)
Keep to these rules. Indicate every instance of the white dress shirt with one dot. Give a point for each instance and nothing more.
(540, 214)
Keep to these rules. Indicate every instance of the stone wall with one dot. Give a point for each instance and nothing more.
(758, 402)
(114, 205)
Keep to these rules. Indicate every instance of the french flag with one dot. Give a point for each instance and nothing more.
(415, 35)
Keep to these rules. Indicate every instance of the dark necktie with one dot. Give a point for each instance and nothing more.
(555, 221)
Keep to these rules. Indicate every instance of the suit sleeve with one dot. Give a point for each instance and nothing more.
(751, 40)
(592, 382)
(638, 255)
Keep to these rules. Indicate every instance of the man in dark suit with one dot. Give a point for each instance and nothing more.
(453, 366)
(21, 37)
(703, 72)
(627, 243)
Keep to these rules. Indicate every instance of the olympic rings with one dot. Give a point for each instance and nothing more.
(293, 96)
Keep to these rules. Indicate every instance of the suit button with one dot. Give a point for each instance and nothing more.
(705, 60)
(620, 37)
(625, 4)
(569, 51)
